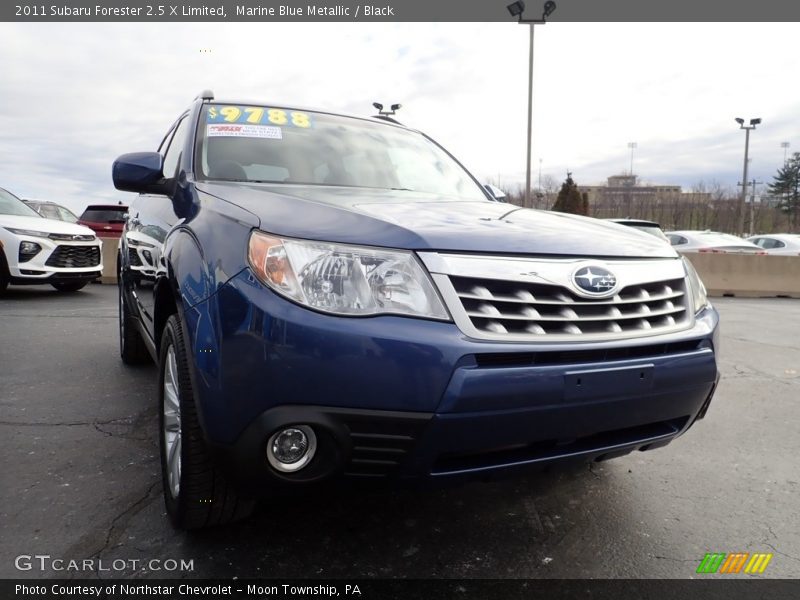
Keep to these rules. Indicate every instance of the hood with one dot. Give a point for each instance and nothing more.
(44, 225)
(418, 221)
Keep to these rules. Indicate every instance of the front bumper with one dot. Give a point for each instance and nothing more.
(406, 398)
(56, 262)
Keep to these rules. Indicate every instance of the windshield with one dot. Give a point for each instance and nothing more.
(54, 211)
(104, 215)
(251, 143)
(11, 205)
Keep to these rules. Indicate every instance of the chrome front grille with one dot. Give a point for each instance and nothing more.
(504, 307)
(539, 299)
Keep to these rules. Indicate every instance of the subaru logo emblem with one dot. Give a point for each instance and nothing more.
(594, 281)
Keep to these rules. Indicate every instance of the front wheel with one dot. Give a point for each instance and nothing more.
(195, 492)
(5, 278)
(70, 287)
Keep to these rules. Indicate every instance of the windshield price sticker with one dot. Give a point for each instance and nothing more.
(257, 115)
(244, 130)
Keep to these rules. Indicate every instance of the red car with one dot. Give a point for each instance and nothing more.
(106, 220)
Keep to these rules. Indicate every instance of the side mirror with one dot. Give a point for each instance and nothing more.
(495, 192)
(141, 172)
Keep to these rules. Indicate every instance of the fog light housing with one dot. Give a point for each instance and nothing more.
(292, 448)
(27, 250)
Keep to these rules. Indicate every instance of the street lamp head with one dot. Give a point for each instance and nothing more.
(549, 9)
(378, 105)
(396, 107)
(755, 122)
(740, 120)
(516, 8)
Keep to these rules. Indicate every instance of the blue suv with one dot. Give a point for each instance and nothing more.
(334, 298)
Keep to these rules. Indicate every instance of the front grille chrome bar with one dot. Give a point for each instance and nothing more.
(515, 299)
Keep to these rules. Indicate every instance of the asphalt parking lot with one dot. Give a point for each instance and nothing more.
(80, 476)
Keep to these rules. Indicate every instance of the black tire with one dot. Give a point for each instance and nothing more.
(70, 287)
(4, 276)
(131, 345)
(203, 497)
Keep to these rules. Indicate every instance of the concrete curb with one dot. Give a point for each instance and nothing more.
(748, 275)
(110, 250)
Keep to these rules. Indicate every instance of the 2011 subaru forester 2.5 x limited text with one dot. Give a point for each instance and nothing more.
(337, 298)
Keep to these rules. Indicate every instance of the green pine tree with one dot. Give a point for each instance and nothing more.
(570, 199)
(786, 186)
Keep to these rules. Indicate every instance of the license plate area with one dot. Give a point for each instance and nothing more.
(602, 383)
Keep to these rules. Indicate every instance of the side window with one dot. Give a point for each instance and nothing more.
(769, 243)
(176, 145)
(676, 240)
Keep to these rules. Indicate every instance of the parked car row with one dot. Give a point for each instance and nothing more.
(778, 243)
(42, 242)
(787, 244)
(711, 241)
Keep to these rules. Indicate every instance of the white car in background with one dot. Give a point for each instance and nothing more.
(650, 227)
(35, 250)
(711, 241)
(787, 244)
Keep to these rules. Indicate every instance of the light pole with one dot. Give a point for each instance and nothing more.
(753, 183)
(540, 174)
(632, 146)
(743, 199)
(516, 9)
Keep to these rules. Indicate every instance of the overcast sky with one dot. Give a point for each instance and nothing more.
(74, 96)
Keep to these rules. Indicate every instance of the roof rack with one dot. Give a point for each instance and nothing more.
(205, 95)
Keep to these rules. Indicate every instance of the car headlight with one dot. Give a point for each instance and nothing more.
(137, 243)
(29, 232)
(696, 287)
(343, 279)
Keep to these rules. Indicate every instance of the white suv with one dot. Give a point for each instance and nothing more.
(38, 250)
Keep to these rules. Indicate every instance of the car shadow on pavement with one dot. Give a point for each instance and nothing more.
(481, 529)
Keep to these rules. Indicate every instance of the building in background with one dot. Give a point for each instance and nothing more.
(624, 195)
